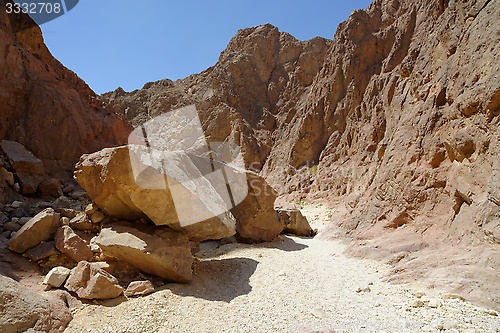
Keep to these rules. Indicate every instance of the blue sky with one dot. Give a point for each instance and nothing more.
(111, 43)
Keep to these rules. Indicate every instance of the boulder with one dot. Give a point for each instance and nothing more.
(50, 188)
(56, 276)
(81, 222)
(22, 309)
(256, 219)
(130, 182)
(139, 288)
(296, 223)
(37, 230)
(68, 242)
(90, 282)
(27, 167)
(155, 250)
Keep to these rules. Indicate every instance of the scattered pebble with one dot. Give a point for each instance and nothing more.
(434, 303)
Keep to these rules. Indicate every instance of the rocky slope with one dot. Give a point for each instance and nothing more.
(394, 123)
(42, 102)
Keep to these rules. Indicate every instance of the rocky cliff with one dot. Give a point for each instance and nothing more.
(394, 123)
(45, 106)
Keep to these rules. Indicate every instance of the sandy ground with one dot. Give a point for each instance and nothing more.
(291, 285)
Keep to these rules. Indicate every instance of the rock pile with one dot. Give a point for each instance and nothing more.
(93, 248)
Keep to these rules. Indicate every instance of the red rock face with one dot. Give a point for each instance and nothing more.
(395, 123)
(45, 106)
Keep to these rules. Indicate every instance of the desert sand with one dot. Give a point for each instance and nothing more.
(290, 285)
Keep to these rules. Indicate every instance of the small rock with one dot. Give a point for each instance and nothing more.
(363, 290)
(81, 222)
(23, 220)
(425, 298)
(68, 242)
(417, 304)
(418, 294)
(56, 276)
(318, 313)
(64, 221)
(7, 234)
(50, 188)
(8, 176)
(492, 313)
(16, 187)
(17, 204)
(91, 208)
(97, 217)
(139, 288)
(62, 201)
(93, 245)
(14, 220)
(67, 212)
(89, 282)
(434, 303)
(11, 226)
(69, 188)
(79, 195)
(37, 230)
(281, 273)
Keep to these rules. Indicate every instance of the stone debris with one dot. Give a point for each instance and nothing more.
(28, 168)
(139, 288)
(37, 230)
(69, 243)
(81, 222)
(56, 276)
(50, 188)
(90, 282)
(295, 223)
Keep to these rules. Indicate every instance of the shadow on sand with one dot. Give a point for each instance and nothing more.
(284, 243)
(218, 280)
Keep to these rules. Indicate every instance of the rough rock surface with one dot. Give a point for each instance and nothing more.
(395, 123)
(139, 288)
(69, 243)
(156, 250)
(56, 276)
(295, 223)
(91, 282)
(28, 168)
(109, 179)
(37, 230)
(42, 102)
(256, 219)
(22, 309)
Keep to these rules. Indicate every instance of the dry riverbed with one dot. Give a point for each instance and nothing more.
(291, 285)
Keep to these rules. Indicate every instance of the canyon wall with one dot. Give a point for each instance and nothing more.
(45, 106)
(394, 124)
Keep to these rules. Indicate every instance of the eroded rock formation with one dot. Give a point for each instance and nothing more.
(42, 102)
(395, 123)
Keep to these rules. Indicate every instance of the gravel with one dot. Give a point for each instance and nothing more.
(291, 285)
